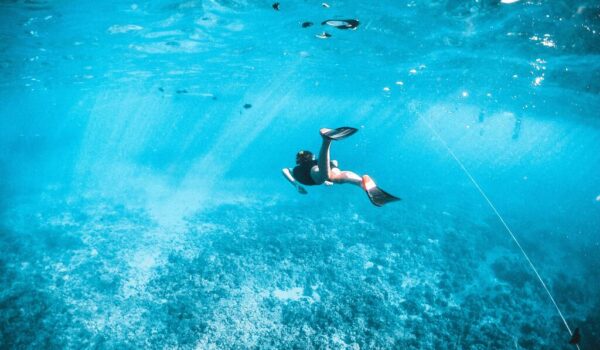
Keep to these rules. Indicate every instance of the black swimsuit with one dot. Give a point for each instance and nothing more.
(302, 172)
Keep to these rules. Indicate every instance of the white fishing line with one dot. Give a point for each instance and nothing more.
(512, 235)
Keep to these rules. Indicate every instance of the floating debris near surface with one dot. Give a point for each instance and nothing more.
(325, 5)
(182, 91)
(161, 89)
(275, 6)
(247, 106)
(209, 95)
(576, 337)
(307, 24)
(323, 35)
(342, 23)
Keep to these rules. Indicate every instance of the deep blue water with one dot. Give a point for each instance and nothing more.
(142, 205)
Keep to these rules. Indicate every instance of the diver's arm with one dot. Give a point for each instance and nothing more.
(288, 175)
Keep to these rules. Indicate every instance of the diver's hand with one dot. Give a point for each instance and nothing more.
(301, 190)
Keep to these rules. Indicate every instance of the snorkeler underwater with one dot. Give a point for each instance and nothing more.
(440, 188)
(324, 171)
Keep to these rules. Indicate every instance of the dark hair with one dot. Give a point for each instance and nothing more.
(304, 157)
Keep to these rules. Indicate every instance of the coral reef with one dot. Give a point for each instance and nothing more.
(93, 274)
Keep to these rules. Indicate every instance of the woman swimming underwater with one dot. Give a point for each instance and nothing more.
(310, 171)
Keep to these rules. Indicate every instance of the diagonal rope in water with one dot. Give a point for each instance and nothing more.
(512, 235)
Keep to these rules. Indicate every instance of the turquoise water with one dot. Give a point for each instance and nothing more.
(142, 205)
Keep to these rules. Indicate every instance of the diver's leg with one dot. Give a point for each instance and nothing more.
(322, 172)
(345, 177)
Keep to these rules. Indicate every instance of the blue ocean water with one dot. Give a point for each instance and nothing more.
(142, 203)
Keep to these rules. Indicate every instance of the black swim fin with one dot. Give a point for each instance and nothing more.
(377, 196)
(340, 133)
